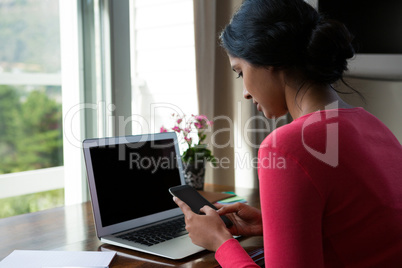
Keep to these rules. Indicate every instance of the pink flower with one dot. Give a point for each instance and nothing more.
(187, 126)
(201, 117)
(177, 129)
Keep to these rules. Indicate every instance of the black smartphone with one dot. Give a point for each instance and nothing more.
(195, 200)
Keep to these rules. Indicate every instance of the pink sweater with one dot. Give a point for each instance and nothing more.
(331, 194)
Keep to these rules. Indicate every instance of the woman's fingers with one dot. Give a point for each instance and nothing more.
(183, 206)
(230, 208)
(207, 210)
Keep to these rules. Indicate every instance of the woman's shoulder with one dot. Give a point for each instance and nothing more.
(288, 133)
(316, 128)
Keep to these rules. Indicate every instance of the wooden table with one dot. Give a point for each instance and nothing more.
(71, 228)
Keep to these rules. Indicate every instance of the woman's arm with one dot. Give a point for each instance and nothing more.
(292, 213)
(210, 232)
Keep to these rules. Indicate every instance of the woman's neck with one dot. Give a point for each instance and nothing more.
(312, 98)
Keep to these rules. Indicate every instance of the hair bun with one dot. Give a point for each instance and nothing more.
(327, 52)
(289, 34)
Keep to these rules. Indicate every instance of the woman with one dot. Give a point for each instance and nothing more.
(336, 198)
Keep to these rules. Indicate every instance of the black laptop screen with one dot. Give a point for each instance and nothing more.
(132, 180)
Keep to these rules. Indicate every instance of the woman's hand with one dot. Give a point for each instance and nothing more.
(207, 231)
(246, 220)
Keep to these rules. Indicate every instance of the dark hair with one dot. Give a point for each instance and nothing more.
(289, 34)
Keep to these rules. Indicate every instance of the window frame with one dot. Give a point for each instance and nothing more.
(98, 81)
(96, 89)
(32, 181)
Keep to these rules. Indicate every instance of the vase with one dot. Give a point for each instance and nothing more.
(194, 174)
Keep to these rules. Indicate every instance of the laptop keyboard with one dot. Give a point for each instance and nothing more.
(157, 233)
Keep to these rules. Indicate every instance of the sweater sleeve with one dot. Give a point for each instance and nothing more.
(231, 254)
(291, 211)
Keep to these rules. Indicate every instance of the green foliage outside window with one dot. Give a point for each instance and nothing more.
(30, 36)
(30, 131)
(30, 116)
(30, 138)
(31, 202)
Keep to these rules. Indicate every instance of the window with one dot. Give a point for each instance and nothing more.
(163, 62)
(31, 143)
(33, 54)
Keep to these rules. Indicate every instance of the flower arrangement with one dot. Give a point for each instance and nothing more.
(196, 150)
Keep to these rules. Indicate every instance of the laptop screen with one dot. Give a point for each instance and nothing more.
(132, 179)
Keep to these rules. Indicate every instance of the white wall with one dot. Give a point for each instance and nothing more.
(383, 99)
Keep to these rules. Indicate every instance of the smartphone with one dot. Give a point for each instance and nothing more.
(195, 200)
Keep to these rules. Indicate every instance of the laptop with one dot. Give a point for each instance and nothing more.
(128, 180)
